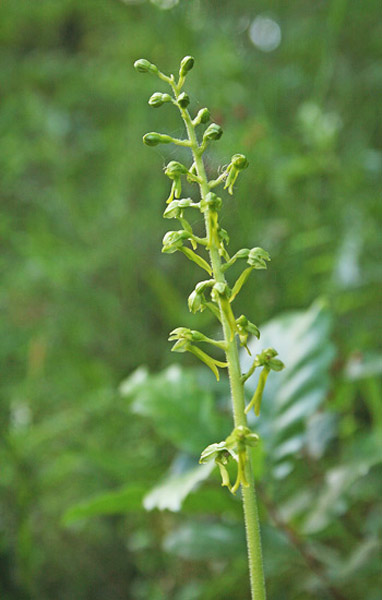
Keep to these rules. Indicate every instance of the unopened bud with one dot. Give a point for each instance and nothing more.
(203, 285)
(175, 169)
(186, 65)
(173, 240)
(153, 139)
(239, 161)
(213, 132)
(195, 301)
(203, 115)
(144, 66)
(172, 211)
(159, 99)
(176, 207)
(183, 100)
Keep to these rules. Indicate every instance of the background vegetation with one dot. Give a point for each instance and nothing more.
(87, 298)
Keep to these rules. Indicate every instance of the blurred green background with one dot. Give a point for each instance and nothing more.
(87, 298)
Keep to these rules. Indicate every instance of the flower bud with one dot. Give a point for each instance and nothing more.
(176, 207)
(186, 65)
(172, 211)
(237, 164)
(183, 100)
(144, 66)
(213, 132)
(239, 161)
(173, 240)
(159, 99)
(257, 258)
(153, 139)
(195, 301)
(203, 285)
(203, 115)
(175, 169)
(185, 202)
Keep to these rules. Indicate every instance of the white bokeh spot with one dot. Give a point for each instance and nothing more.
(265, 33)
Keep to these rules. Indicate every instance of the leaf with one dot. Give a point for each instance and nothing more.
(292, 396)
(362, 367)
(361, 557)
(334, 497)
(321, 429)
(127, 499)
(134, 382)
(175, 487)
(211, 500)
(180, 409)
(202, 540)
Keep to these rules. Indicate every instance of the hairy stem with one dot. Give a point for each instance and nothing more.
(237, 386)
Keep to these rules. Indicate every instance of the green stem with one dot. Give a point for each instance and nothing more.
(251, 516)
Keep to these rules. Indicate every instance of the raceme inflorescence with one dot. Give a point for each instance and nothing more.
(215, 293)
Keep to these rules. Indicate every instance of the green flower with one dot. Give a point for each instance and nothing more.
(153, 139)
(183, 100)
(238, 163)
(203, 116)
(257, 258)
(246, 328)
(144, 66)
(186, 65)
(234, 447)
(175, 209)
(213, 132)
(158, 99)
(173, 240)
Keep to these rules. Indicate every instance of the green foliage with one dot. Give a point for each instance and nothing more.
(319, 499)
(171, 492)
(299, 391)
(298, 431)
(106, 504)
(172, 399)
(198, 541)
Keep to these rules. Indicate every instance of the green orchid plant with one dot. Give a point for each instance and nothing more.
(215, 294)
